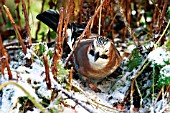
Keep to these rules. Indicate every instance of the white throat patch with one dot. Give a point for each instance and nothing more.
(99, 63)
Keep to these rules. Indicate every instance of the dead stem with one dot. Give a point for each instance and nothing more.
(47, 78)
(83, 104)
(156, 44)
(66, 20)
(82, 35)
(140, 94)
(4, 62)
(27, 22)
(28, 2)
(132, 33)
(162, 16)
(156, 6)
(38, 26)
(100, 18)
(16, 29)
(18, 13)
(138, 72)
(71, 78)
(58, 44)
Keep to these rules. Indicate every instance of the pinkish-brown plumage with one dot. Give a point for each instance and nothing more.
(107, 60)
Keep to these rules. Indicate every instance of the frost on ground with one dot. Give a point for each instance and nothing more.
(114, 95)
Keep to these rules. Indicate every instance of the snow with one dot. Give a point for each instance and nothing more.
(159, 56)
(44, 92)
(112, 90)
(11, 94)
(130, 48)
(165, 71)
(35, 110)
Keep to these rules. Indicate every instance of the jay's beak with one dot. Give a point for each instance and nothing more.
(96, 56)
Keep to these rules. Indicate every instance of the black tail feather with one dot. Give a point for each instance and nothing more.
(50, 18)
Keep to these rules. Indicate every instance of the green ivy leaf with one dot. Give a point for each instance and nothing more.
(135, 60)
(164, 77)
(168, 11)
(41, 49)
(62, 73)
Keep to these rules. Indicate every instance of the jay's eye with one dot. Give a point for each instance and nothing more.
(92, 46)
(92, 52)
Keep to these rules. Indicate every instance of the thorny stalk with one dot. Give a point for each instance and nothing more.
(27, 23)
(58, 44)
(38, 26)
(4, 60)
(66, 21)
(83, 34)
(71, 77)
(47, 72)
(18, 13)
(28, 2)
(16, 29)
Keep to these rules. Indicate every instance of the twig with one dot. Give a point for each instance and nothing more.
(141, 99)
(156, 6)
(27, 22)
(159, 94)
(162, 16)
(16, 29)
(100, 18)
(139, 71)
(163, 95)
(156, 44)
(153, 86)
(140, 68)
(11, 44)
(82, 35)
(72, 97)
(47, 78)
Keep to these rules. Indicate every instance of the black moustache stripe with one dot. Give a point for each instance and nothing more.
(102, 56)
